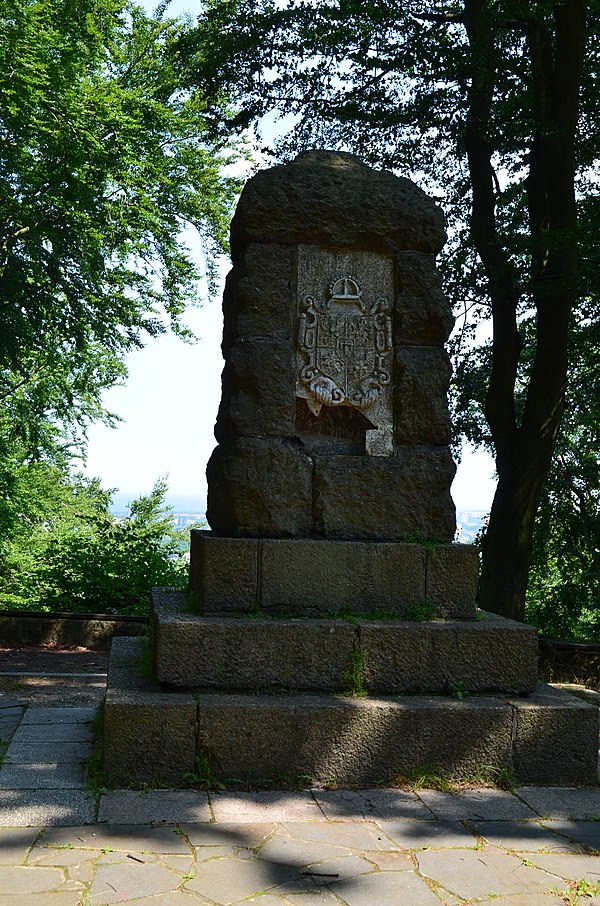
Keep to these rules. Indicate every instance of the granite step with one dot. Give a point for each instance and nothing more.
(152, 735)
(314, 577)
(239, 653)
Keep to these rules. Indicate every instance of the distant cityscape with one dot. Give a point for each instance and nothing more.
(468, 522)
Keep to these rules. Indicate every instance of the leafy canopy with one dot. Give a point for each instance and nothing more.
(67, 552)
(103, 161)
(391, 82)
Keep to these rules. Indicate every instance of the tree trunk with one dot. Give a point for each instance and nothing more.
(524, 451)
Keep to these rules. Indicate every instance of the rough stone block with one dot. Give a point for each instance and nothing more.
(547, 738)
(332, 199)
(556, 738)
(423, 315)
(148, 735)
(257, 295)
(259, 488)
(318, 577)
(385, 498)
(259, 390)
(493, 654)
(451, 580)
(354, 741)
(252, 654)
(224, 571)
(422, 379)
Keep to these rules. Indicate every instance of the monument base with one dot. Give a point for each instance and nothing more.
(157, 736)
(313, 577)
(336, 655)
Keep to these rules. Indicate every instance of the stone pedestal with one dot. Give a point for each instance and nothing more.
(331, 628)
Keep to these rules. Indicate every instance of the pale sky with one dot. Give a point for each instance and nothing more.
(169, 404)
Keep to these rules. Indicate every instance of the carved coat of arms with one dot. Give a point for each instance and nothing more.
(348, 345)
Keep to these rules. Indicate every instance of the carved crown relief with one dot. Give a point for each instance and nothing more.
(348, 347)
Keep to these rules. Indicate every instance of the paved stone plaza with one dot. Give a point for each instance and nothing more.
(59, 846)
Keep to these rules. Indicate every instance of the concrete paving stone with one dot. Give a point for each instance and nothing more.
(203, 853)
(390, 861)
(83, 872)
(15, 843)
(473, 805)
(66, 776)
(124, 881)
(530, 899)
(415, 835)
(317, 898)
(524, 837)
(122, 838)
(64, 858)
(325, 871)
(25, 879)
(353, 805)
(40, 714)
(30, 753)
(247, 835)
(176, 898)
(228, 880)
(109, 856)
(563, 802)
(570, 866)
(78, 863)
(266, 806)
(40, 734)
(483, 873)
(154, 807)
(353, 836)
(267, 899)
(179, 863)
(62, 898)
(8, 707)
(385, 888)
(8, 725)
(586, 833)
(46, 808)
(287, 851)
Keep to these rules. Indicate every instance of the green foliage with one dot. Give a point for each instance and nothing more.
(203, 775)
(66, 551)
(390, 82)
(563, 597)
(355, 676)
(103, 161)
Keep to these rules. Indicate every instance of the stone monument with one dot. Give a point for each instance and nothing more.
(333, 427)
(331, 627)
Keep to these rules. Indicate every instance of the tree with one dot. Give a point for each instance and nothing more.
(67, 552)
(490, 105)
(563, 594)
(103, 160)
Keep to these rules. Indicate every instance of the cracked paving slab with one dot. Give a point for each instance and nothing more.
(271, 805)
(43, 808)
(354, 805)
(154, 807)
(528, 836)
(476, 805)
(481, 873)
(414, 835)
